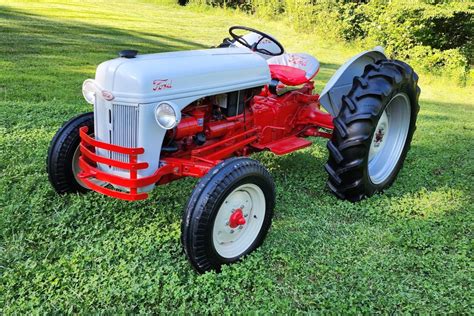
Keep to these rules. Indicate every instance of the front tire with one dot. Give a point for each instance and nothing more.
(63, 155)
(228, 214)
(373, 130)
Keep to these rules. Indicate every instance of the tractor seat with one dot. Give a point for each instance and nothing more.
(293, 69)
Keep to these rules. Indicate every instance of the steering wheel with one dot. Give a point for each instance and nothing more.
(253, 47)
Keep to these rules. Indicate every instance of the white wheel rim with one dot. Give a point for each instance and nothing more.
(389, 138)
(76, 169)
(233, 242)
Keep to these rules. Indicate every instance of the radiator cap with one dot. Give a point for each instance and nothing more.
(128, 53)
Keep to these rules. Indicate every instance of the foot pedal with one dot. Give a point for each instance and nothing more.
(288, 145)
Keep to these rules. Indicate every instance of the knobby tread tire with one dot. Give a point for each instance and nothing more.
(205, 201)
(61, 151)
(347, 165)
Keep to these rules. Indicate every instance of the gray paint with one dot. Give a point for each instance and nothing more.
(341, 82)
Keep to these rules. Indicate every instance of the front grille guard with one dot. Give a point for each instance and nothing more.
(197, 165)
(89, 159)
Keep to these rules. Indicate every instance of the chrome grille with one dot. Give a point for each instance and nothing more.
(124, 129)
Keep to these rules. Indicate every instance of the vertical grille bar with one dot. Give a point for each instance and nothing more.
(124, 128)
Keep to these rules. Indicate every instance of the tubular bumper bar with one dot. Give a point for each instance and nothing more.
(89, 171)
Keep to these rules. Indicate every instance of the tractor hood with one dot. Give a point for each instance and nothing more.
(126, 91)
(185, 74)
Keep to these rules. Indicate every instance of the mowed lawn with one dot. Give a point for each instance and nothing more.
(408, 250)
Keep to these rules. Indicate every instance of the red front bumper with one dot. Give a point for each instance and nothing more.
(174, 167)
(89, 171)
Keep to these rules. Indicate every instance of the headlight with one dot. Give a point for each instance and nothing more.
(89, 90)
(167, 115)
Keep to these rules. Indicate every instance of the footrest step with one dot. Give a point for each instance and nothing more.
(288, 145)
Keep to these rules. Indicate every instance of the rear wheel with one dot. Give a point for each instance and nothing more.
(389, 138)
(229, 214)
(373, 130)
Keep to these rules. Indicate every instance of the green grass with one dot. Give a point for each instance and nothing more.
(408, 250)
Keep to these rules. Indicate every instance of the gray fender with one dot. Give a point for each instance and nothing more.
(341, 82)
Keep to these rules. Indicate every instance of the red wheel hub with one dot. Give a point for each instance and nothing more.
(236, 219)
(379, 136)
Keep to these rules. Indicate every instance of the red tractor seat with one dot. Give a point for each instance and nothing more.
(293, 69)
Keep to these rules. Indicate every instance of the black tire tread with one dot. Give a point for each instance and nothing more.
(196, 218)
(356, 120)
(60, 151)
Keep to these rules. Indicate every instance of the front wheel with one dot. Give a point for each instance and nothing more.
(373, 130)
(228, 214)
(62, 163)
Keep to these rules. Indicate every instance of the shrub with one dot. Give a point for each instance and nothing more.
(351, 19)
(268, 8)
(438, 38)
(241, 4)
(436, 34)
(449, 27)
(448, 62)
(300, 13)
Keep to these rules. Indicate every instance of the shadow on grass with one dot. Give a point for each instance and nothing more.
(36, 31)
(436, 162)
(42, 54)
(47, 52)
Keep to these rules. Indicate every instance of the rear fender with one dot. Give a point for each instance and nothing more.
(341, 82)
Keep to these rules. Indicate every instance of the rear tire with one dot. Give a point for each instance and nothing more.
(228, 214)
(63, 155)
(373, 130)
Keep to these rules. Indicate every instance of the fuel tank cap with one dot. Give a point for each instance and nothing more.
(128, 53)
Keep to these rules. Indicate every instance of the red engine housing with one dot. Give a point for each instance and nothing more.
(272, 119)
(205, 136)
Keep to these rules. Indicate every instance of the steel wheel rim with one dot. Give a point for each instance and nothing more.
(233, 242)
(76, 169)
(389, 138)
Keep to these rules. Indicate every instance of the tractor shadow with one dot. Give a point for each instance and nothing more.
(436, 163)
(441, 147)
(42, 54)
(43, 57)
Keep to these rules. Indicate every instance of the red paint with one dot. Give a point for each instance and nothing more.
(276, 123)
(188, 126)
(162, 84)
(107, 95)
(236, 219)
(298, 60)
(92, 142)
(220, 128)
(379, 136)
(88, 161)
(287, 145)
(119, 164)
(291, 76)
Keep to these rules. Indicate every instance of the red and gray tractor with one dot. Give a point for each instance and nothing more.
(161, 117)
